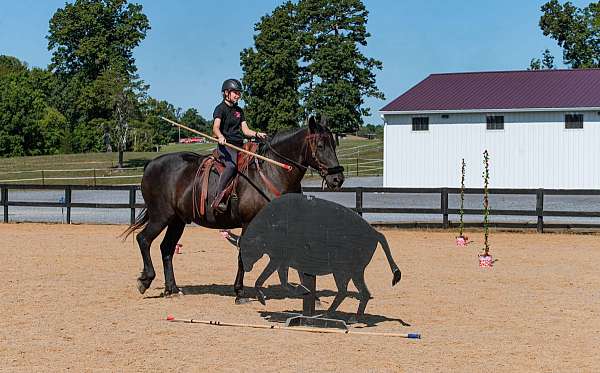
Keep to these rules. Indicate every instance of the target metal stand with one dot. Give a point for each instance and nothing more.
(308, 316)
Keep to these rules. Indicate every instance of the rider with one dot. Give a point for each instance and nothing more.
(228, 126)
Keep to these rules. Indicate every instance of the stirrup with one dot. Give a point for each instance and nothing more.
(221, 207)
(218, 204)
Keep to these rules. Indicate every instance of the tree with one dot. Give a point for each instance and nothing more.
(89, 36)
(336, 73)
(271, 72)
(28, 124)
(119, 94)
(159, 130)
(19, 109)
(370, 129)
(125, 105)
(576, 30)
(51, 126)
(547, 60)
(535, 64)
(194, 120)
(10, 64)
(546, 63)
(307, 54)
(92, 44)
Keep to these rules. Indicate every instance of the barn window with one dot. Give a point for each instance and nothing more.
(494, 122)
(573, 121)
(420, 124)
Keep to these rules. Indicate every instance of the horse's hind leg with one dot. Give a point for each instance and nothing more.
(167, 249)
(364, 295)
(144, 239)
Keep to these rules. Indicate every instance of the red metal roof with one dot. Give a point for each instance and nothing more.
(577, 88)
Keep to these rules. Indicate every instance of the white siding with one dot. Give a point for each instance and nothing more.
(533, 151)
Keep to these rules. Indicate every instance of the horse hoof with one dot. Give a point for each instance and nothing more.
(241, 300)
(397, 276)
(141, 287)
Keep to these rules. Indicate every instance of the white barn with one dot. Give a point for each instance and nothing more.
(541, 129)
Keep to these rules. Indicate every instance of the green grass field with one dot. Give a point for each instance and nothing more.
(100, 168)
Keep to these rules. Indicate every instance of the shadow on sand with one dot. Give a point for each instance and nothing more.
(278, 292)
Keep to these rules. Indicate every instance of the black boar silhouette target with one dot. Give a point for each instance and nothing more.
(315, 237)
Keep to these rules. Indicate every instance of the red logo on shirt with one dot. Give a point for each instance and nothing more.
(237, 114)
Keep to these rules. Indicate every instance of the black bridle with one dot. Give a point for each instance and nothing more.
(322, 167)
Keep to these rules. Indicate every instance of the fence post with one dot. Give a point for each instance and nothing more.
(539, 209)
(43, 181)
(68, 202)
(359, 201)
(94, 177)
(5, 203)
(444, 206)
(132, 204)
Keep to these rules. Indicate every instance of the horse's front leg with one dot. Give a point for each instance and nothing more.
(238, 285)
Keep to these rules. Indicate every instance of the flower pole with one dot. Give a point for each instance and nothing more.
(462, 240)
(485, 259)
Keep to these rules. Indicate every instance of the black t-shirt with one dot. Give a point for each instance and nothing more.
(231, 122)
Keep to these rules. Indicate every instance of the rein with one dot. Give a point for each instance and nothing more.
(312, 144)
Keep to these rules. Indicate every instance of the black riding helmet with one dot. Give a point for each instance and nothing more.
(231, 85)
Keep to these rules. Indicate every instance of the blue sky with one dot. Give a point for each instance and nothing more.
(194, 45)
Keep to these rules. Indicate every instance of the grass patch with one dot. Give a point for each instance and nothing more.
(355, 154)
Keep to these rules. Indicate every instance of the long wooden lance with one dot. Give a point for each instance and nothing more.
(292, 328)
(272, 161)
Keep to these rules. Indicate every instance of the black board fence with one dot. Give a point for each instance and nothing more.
(442, 211)
(445, 211)
(66, 201)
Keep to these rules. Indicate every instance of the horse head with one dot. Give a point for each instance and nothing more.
(321, 153)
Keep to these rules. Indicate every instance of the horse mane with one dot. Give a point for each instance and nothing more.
(280, 137)
(285, 135)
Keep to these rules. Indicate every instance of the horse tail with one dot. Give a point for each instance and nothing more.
(140, 221)
(388, 254)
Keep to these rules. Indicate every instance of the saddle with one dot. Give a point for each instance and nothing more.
(213, 164)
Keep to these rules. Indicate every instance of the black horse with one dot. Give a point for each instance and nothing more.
(170, 189)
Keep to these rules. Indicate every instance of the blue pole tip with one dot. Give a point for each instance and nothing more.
(414, 335)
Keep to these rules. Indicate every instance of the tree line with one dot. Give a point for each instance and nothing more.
(90, 96)
(307, 58)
